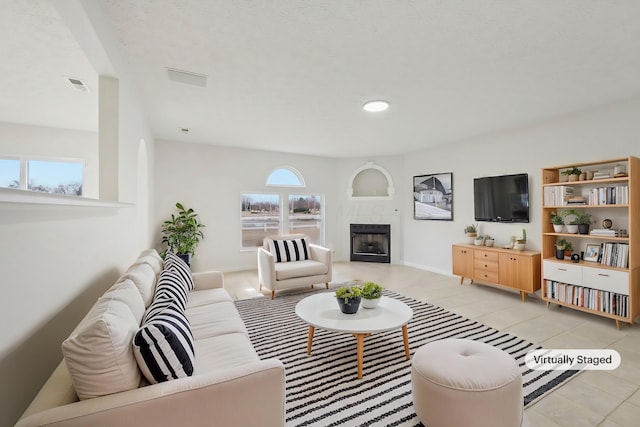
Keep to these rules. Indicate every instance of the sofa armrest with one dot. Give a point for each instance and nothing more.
(321, 254)
(212, 398)
(208, 280)
(266, 269)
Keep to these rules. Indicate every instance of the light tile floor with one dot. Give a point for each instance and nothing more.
(593, 398)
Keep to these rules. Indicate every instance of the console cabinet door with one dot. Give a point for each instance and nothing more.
(462, 261)
(517, 271)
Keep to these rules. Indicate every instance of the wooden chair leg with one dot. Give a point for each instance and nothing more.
(326, 284)
(273, 294)
(260, 287)
(311, 286)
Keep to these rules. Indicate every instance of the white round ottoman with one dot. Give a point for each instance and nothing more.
(460, 382)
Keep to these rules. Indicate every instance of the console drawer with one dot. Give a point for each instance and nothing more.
(606, 280)
(485, 255)
(562, 272)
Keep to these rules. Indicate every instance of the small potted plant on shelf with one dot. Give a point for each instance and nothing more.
(568, 249)
(371, 294)
(558, 223)
(561, 244)
(572, 173)
(489, 241)
(182, 233)
(479, 240)
(349, 298)
(471, 231)
(583, 220)
(570, 216)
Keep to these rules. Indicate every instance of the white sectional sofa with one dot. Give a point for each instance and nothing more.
(100, 381)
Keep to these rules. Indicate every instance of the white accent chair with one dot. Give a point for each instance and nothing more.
(275, 276)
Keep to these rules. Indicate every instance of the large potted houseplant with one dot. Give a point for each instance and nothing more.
(371, 294)
(349, 298)
(182, 233)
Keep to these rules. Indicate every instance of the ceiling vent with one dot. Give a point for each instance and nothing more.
(187, 77)
(78, 84)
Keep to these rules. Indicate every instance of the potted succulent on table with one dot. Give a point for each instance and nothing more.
(349, 298)
(489, 241)
(479, 240)
(371, 294)
(583, 220)
(558, 223)
(521, 242)
(182, 233)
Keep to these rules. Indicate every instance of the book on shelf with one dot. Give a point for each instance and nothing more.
(614, 195)
(603, 174)
(604, 232)
(557, 195)
(614, 254)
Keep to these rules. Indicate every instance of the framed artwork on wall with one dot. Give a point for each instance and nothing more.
(433, 196)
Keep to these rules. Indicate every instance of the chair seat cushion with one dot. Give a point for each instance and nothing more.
(292, 270)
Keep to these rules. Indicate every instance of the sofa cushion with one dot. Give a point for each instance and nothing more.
(151, 257)
(126, 292)
(175, 263)
(143, 276)
(164, 347)
(215, 319)
(98, 354)
(292, 270)
(171, 287)
(223, 352)
(207, 296)
(289, 250)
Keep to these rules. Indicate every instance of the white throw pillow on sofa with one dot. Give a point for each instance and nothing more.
(99, 355)
(127, 292)
(143, 276)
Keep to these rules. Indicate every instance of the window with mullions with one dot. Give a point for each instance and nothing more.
(46, 176)
(305, 216)
(260, 218)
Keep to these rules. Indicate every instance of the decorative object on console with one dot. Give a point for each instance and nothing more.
(575, 258)
(479, 240)
(471, 231)
(521, 242)
(433, 196)
(489, 241)
(371, 294)
(349, 298)
(182, 233)
(573, 173)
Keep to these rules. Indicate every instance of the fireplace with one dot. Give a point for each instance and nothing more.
(371, 242)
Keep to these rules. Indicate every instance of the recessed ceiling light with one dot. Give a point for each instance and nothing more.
(375, 106)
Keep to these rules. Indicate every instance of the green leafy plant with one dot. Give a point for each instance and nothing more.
(182, 233)
(557, 219)
(371, 290)
(572, 171)
(583, 218)
(562, 243)
(523, 238)
(473, 228)
(348, 292)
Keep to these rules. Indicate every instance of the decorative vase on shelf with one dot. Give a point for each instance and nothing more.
(572, 228)
(560, 253)
(558, 228)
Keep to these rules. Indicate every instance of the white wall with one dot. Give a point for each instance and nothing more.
(211, 179)
(56, 260)
(604, 133)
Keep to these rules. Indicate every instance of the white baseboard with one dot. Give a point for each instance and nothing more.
(428, 268)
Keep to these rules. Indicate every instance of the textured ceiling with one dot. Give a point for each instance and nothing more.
(38, 54)
(289, 75)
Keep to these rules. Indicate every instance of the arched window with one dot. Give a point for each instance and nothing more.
(285, 176)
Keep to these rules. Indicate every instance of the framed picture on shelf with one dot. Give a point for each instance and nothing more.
(591, 252)
(433, 196)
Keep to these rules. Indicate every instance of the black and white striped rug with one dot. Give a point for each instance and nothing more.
(322, 389)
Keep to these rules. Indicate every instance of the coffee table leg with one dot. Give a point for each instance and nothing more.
(405, 336)
(310, 341)
(360, 338)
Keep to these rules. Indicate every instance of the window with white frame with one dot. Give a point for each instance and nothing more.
(47, 176)
(305, 216)
(260, 218)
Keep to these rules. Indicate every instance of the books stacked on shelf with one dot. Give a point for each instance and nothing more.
(557, 195)
(618, 195)
(577, 200)
(604, 232)
(603, 174)
(593, 299)
(614, 254)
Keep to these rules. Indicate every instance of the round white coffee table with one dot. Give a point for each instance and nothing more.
(322, 311)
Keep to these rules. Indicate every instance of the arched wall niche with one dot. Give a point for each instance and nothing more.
(370, 181)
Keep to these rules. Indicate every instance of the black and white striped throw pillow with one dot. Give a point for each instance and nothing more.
(163, 346)
(171, 286)
(290, 250)
(174, 263)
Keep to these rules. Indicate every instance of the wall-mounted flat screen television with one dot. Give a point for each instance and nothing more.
(503, 198)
